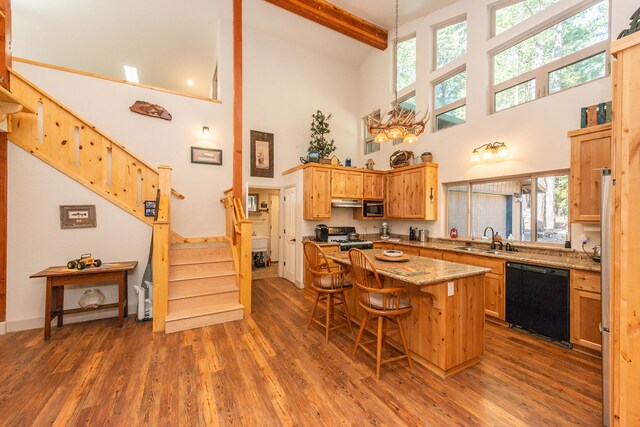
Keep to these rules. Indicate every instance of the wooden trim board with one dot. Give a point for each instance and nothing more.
(237, 98)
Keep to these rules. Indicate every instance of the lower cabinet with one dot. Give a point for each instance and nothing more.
(586, 312)
(431, 253)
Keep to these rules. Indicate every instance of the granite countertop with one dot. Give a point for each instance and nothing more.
(430, 271)
(551, 257)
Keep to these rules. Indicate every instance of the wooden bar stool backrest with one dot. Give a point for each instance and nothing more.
(368, 281)
(325, 277)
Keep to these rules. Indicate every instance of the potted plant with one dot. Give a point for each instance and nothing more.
(320, 131)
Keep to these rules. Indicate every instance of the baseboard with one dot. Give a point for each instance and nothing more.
(3, 328)
(37, 323)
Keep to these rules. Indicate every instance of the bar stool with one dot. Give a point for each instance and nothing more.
(383, 304)
(329, 284)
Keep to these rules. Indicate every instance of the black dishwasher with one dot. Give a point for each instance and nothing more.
(538, 300)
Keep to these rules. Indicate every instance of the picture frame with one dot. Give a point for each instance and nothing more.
(150, 208)
(261, 154)
(206, 156)
(78, 216)
(252, 203)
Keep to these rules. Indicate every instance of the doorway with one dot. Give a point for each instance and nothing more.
(289, 234)
(263, 209)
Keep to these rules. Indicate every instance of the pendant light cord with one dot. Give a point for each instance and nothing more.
(395, 62)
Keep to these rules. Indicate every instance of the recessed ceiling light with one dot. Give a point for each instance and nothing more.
(131, 74)
(189, 82)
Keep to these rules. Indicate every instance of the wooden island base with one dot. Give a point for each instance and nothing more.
(445, 332)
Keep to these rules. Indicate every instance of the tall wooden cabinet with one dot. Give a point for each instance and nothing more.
(625, 247)
(590, 152)
(317, 193)
(412, 192)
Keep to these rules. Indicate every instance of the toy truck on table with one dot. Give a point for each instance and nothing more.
(85, 260)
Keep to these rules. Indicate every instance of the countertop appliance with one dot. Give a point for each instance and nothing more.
(538, 300)
(373, 209)
(341, 235)
(322, 233)
(606, 184)
(384, 230)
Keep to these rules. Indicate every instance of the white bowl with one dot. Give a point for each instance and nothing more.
(393, 253)
(384, 237)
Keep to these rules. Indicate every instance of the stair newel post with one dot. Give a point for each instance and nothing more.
(246, 262)
(161, 246)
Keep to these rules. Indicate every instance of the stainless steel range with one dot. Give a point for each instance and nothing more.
(341, 235)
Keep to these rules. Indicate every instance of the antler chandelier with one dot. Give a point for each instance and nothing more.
(402, 122)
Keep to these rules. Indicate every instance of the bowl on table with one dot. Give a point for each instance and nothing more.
(393, 253)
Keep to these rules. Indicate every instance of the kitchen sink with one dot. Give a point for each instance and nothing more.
(478, 250)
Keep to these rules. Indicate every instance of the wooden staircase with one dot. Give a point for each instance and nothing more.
(203, 286)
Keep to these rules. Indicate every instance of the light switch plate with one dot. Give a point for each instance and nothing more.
(450, 289)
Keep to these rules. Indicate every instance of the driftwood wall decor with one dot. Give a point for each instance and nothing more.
(152, 110)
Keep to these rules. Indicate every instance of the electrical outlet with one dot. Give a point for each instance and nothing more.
(450, 289)
(584, 238)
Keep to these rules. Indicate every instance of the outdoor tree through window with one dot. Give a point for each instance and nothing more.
(406, 63)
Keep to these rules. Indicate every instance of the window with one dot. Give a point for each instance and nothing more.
(508, 14)
(450, 41)
(450, 100)
(512, 207)
(406, 63)
(369, 145)
(566, 54)
(408, 102)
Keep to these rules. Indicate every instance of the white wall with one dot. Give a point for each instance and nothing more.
(536, 133)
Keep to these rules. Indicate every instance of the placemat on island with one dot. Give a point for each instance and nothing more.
(383, 257)
(404, 271)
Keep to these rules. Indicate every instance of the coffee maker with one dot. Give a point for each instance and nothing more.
(322, 233)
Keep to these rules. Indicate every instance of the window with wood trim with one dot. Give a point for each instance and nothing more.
(370, 146)
(450, 100)
(406, 62)
(509, 13)
(450, 41)
(567, 52)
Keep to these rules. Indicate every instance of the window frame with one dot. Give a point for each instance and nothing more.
(402, 39)
(506, 3)
(394, 104)
(452, 106)
(541, 74)
(534, 201)
(444, 24)
(369, 138)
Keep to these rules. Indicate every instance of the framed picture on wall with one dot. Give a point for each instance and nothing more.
(78, 216)
(207, 156)
(261, 154)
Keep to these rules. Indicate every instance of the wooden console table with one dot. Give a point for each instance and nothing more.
(59, 277)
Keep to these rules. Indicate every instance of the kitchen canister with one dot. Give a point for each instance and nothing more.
(423, 235)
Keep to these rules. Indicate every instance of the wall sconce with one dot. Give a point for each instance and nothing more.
(205, 132)
(489, 151)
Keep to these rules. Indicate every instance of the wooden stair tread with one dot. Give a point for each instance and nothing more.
(219, 289)
(199, 245)
(202, 311)
(190, 262)
(201, 276)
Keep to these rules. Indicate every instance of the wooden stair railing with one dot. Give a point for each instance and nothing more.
(161, 250)
(239, 230)
(64, 140)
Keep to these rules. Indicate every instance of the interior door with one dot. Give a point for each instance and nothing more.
(289, 234)
(274, 224)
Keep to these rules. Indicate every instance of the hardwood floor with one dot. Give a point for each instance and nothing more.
(269, 370)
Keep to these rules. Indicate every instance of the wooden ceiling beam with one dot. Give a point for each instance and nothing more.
(338, 19)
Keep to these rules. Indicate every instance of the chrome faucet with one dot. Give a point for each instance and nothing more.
(493, 236)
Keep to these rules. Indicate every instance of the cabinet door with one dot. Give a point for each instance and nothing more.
(494, 296)
(409, 250)
(354, 185)
(373, 186)
(585, 319)
(589, 152)
(395, 196)
(317, 199)
(431, 253)
(414, 193)
(431, 193)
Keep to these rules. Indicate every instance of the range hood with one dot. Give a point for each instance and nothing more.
(341, 203)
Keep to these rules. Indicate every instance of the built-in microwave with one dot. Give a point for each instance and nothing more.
(373, 209)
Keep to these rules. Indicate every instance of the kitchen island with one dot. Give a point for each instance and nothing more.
(445, 329)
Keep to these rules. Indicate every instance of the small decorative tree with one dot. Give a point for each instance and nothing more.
(319, 135)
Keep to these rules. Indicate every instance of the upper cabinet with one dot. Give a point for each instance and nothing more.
(317, 193)
(346, 184)
(373, 186)
(590, 151)
(412, 192)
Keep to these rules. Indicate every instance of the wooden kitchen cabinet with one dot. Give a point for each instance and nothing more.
(412, 193)
(494, 281)
(586, 309)
(317, 193)
(373, 186)
(409, 250)
(346, 184)
(590, 151)
(431, 253)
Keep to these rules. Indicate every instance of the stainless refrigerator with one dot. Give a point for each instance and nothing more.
(605, 282)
